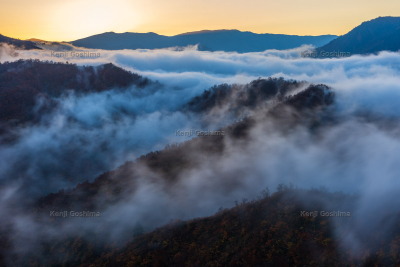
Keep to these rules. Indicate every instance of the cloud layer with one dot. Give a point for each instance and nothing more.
(358, 153)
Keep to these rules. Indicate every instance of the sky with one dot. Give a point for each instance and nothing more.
(68, 20)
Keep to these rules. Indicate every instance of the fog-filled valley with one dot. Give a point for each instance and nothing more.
(147, 138)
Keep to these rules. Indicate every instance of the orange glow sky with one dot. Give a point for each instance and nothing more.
(67, 20)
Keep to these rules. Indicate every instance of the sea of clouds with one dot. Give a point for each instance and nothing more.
(358, 154)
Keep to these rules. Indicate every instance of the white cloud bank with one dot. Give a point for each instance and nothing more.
(354, 156)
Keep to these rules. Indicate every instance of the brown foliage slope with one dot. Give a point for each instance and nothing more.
(170, 162)
(264, 232)
(269, 231)
(23, 82)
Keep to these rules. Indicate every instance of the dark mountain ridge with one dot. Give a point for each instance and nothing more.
(268, 231)
(168, 164)
(19, 44)
(220, 40)
(380, 34)
(25, 82)
(301, 108)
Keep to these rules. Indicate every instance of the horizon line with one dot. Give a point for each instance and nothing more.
(184, 33)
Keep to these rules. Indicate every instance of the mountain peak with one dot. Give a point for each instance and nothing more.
(379, 34)
(207, 31)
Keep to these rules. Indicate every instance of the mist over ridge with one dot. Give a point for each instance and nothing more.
(219, 40)
(114, 148)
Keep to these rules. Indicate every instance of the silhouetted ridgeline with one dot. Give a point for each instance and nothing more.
(220, 40)
(239, 98)
(380, 34)
(22, 83)
(303, 108)
(18, 44)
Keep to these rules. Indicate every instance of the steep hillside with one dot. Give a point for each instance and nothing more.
(288, 228)
(268, 231)
(380, 34)
(302, 108)
(23, 83)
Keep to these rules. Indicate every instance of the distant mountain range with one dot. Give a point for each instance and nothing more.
(372, 36)
(35, 40)
(220, 40)
(376, 35)
(380, 34)
(28, 45)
